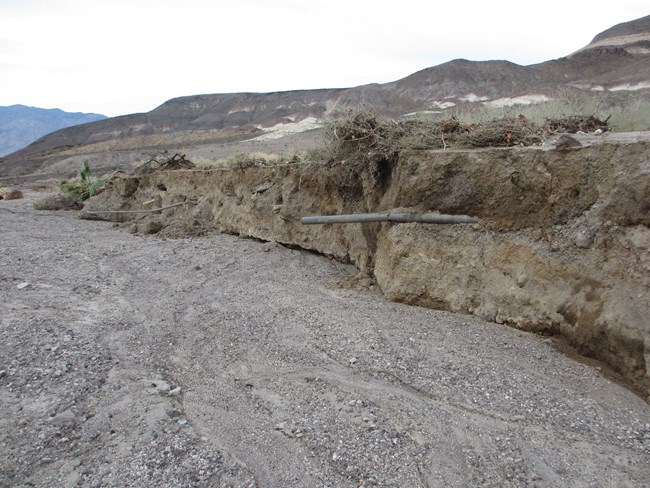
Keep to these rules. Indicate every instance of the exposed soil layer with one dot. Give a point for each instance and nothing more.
(129, 360)
(563, 246)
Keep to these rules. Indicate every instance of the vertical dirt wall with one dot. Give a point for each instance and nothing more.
(563, 245)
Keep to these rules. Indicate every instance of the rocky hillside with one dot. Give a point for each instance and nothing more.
(616, 60)
(21, 125)
(633, 36)
(615, 64)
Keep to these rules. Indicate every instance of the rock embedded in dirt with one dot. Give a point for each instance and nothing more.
(522, 278)
(153, 227)
(173, 413)
(565, 141)
(67, 417)
(583, 240)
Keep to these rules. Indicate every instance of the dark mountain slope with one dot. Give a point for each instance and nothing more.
(638, 26)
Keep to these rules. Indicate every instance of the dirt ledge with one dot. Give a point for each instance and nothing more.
(563, 246)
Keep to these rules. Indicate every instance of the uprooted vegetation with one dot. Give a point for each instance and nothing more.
(164, 162)
(243, 160)
(577, 123)
(368, 137)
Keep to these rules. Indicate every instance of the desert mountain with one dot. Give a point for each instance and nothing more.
(20, 125)
(633, 36)
(615, 64)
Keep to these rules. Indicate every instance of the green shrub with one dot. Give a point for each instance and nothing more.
(83, 186)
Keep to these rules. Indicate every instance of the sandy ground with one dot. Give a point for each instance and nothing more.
(139, 361)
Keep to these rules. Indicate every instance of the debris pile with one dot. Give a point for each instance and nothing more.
(368, 136)
(157, 163)
(577, 123)
(509, 131)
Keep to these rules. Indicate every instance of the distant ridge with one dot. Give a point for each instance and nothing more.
(634, 27)
(21, 125)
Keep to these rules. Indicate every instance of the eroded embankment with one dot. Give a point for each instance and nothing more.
(563, 245)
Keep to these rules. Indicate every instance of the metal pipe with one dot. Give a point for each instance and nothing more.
(427, 218)
(432, 218)
(344, 219)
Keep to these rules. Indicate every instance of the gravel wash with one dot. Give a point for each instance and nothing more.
(226, 362)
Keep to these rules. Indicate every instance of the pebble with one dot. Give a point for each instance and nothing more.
(63, 418)
(522, 278)
(161, 386)
(22, 286)
(566, 141)
(174, 392)
(173, 412)
(353, 360)
(583, 240)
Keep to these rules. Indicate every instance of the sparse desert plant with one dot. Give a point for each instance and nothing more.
(83, 186)
(563, 103)
(633, 116)
(622, 115)
(245, 160)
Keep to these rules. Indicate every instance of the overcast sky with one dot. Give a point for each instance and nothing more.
(123, 56)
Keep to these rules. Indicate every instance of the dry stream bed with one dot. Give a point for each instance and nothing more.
(138, 361)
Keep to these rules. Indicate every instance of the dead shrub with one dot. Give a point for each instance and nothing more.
(364, 138)
(509, 131)
(577, 123)
(164, 162)
(58, 201)
(10, 194)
